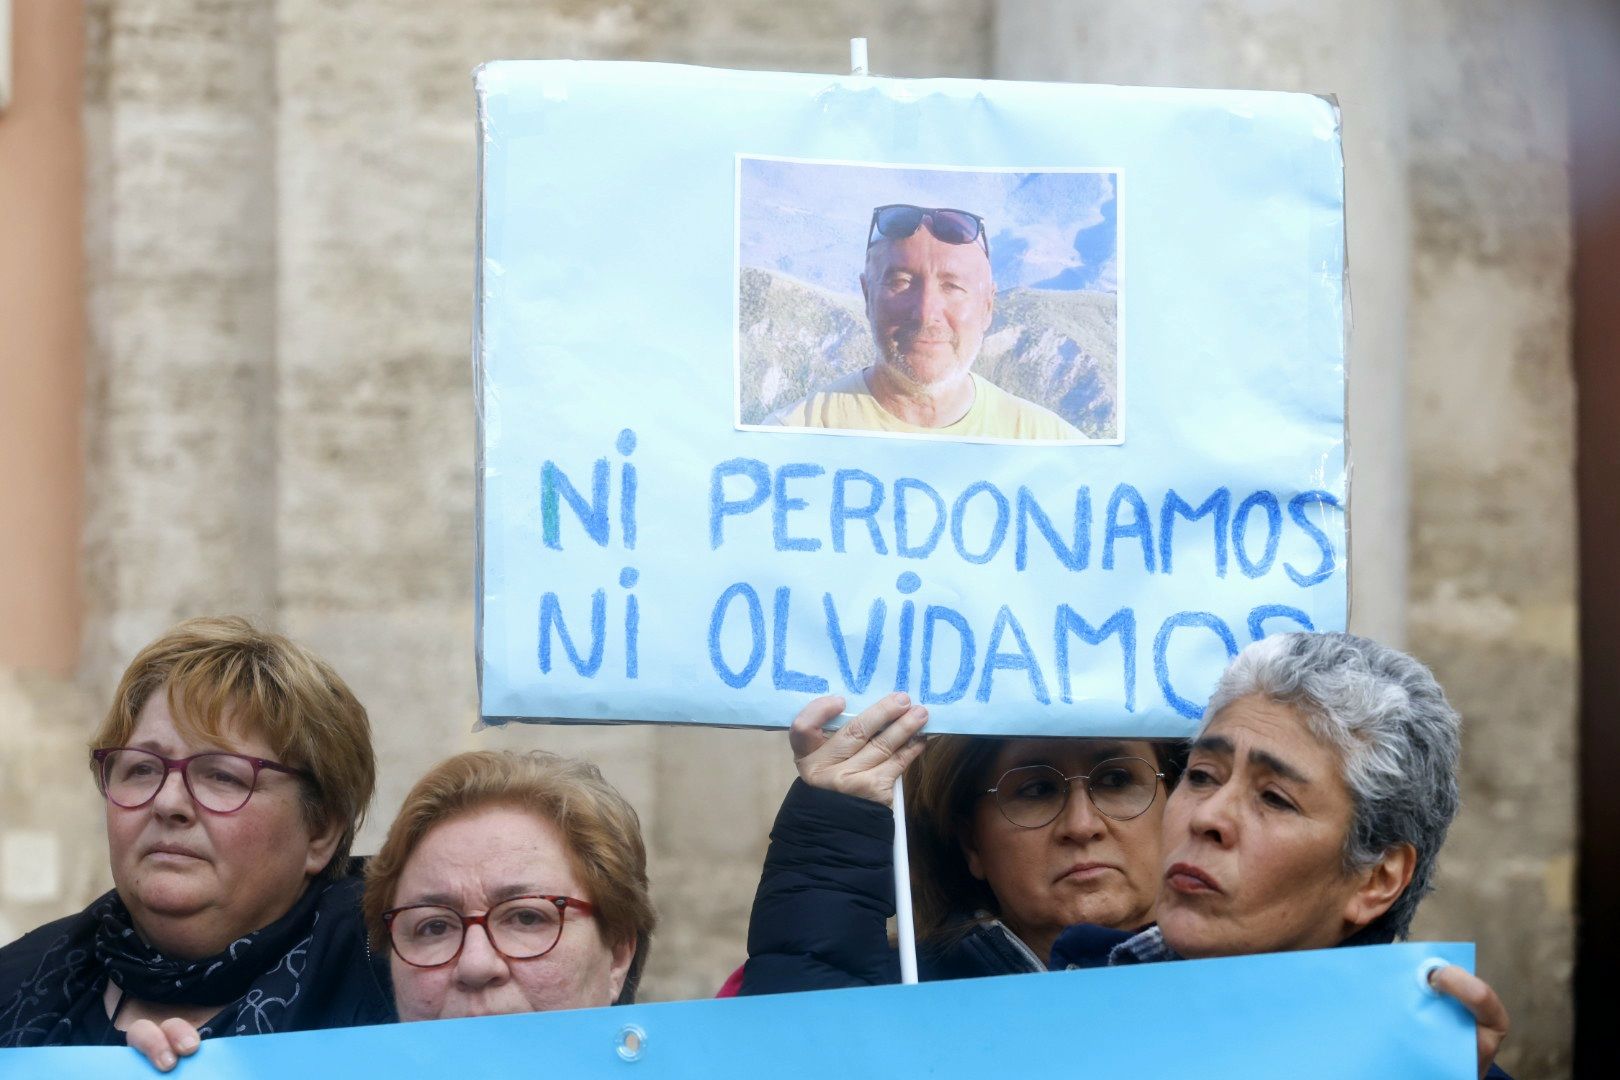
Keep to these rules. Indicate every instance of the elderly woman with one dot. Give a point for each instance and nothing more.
(1011, 841)
(1316, 798)
(236, 767)
(511, 883)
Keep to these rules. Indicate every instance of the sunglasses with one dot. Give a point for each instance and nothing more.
(897, 221)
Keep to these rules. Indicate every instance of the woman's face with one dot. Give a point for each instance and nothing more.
(194, 881)
(473, 862)
(1254, 840)
(1083, 866)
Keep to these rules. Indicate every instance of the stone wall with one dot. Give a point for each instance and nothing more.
(1491, 429)
(280, 244)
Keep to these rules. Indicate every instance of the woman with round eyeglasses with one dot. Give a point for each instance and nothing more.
(1012, 840)
(235, 768)
(511, 883)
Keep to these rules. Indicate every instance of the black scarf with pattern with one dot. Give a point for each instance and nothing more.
(308, 969)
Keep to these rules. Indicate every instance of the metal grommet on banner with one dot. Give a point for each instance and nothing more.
(632, 1041)
(1428, 968)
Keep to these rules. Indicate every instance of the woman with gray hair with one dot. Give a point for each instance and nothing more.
(1316, 797)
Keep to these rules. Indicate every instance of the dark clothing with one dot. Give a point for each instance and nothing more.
(1087, 945)
(826, 893)
(309, 969)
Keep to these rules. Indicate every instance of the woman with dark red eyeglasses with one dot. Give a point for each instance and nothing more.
(511, 883)
(235, 768)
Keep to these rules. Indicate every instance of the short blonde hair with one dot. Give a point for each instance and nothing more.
(219, 670)
(599, 827)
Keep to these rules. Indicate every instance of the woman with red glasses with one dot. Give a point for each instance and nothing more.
(511, 883)
(235, 768)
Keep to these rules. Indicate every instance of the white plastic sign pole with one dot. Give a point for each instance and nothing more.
(904, 930)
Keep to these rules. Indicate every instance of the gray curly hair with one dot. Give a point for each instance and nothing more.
(1397, 736)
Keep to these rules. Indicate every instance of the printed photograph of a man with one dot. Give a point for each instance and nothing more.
(923, 349)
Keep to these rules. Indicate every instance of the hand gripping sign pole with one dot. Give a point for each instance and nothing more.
(904, 930)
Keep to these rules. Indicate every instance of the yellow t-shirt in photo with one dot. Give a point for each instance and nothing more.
(848, 405)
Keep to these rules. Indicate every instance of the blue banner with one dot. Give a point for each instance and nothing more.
(1027, 399)
(1353, 1013)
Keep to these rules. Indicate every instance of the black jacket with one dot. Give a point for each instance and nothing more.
(826, 894)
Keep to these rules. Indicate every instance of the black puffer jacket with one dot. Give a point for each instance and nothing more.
(827, 891)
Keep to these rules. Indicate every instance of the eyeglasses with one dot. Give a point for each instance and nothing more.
(521, 928)
(218, 782)
(1034, 795)
(896, 221)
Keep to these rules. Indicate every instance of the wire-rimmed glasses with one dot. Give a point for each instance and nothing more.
(218, 781)
(1121, 788)
(519, 928)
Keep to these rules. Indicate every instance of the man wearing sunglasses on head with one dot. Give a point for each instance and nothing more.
(929, 297)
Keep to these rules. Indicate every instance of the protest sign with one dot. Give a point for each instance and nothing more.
(1024, 399)
(1351, 1013)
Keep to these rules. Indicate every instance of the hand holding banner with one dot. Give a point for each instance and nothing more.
(1348, 1013)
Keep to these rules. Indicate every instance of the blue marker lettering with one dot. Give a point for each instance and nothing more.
(782, 676)
(1218, 505)
(1258, 617)
(933, 616)
(1022, 660)
(1296, 510)
(856, 682)
(783, 504)
(551, 617)
(908, 583)
(627, 490)
(720, 507)
(1141, 526)
(632, 622)
(756, 625)
(842, 512)
(1073, 557)
(593, 515)
(1121, 622)
(998, 531)
(903, 546)
(1161, 648)
(1240, 528)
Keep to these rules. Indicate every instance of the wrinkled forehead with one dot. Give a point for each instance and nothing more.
(202, 714)
(923, 253)
(501, 846)
(1259, 727)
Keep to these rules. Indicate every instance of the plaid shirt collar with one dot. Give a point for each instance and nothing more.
(1148, 947)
